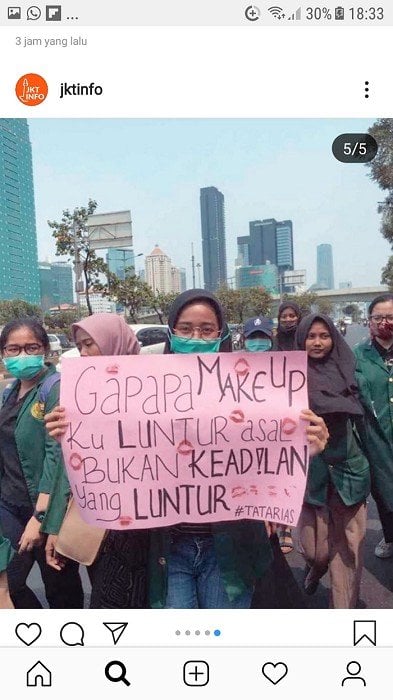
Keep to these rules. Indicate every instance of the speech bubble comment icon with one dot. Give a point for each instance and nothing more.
(72, 634)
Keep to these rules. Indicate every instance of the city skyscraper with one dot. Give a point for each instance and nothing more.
(119, 259)
(263, 246)
(158, 267)
(268, 241)
(55, 284)
(284, 245)
(213, 238)
(19, 278)
(325, 276)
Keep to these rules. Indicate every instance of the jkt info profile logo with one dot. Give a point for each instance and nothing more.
(31, 89)
(79, 90)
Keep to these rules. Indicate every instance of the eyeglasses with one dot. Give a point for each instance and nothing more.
(188, 331)
(29, 348)
(378, 318)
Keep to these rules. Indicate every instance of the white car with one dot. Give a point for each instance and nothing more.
(55, 345)
(151, 337)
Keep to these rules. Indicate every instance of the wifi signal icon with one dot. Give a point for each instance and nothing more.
(277, 12)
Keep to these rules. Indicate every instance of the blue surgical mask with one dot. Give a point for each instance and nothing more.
(24, 366)
(191, 345)
(258, 344)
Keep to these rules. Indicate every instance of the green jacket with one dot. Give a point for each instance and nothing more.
(375, 382)
(344, 465)
(39, 454)
(243, 552)
(6, 552)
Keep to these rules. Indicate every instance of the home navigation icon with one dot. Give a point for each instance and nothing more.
(39, 675)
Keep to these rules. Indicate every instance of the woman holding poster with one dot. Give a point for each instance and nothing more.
(209, 565)
(118, 574)
(332, 525)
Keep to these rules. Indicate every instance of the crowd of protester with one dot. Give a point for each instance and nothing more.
(349, 427)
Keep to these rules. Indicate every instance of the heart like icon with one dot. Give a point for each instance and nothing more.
(28, 634)
(275, 672)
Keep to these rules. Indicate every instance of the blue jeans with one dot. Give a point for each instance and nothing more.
(63, 589)
(194, 577)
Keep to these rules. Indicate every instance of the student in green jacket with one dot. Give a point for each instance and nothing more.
(28, 460)
(5, 557)
(207, 565)
(332, 525)
(374, 374)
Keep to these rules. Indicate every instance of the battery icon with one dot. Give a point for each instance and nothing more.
(339, 13)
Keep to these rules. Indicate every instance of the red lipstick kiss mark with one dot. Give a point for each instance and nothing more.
(75, 461)
(125, 520)
(238, 491)
(288, 426)
(242, 367)
(237, 416)
(185, 447)
(112, 369)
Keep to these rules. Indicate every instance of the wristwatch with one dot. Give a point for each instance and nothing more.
(39, 515)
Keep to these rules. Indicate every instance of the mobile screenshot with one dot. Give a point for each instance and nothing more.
(196, 348)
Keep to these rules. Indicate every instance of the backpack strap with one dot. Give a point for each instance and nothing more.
(46, 387)
(7, 391)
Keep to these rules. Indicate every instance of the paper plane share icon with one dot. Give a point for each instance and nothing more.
(116, 629)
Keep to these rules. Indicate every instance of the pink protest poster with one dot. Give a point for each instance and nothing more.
(163, 439)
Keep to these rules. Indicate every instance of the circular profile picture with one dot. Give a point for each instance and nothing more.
(31, 89)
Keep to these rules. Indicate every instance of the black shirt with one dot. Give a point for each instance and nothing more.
(13, 487)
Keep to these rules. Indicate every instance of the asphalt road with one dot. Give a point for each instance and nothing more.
(377, 579)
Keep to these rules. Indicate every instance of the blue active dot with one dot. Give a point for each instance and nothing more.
(217, 633)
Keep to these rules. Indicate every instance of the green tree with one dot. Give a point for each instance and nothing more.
(353, 311)
(132, 293)
(387, 273)
(62, 321)
(161, 304)
(325, 307)
(239, 304)
(72, 239)
(381, 171)
(18, 308)
(305, 301)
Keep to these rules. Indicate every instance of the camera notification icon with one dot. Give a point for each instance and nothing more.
(14, 13)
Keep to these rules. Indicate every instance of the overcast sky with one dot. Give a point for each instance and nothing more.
(266, 168)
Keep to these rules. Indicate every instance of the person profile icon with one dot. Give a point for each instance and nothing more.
(353, 668)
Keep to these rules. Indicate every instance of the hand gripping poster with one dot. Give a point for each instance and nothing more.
(163, 439)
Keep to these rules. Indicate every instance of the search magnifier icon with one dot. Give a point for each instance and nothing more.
(119, 674)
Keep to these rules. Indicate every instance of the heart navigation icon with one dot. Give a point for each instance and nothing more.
(28, 634)
(275, 672)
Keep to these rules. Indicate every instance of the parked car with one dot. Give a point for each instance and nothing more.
(55, 345)
(151, 337)
(64, 341)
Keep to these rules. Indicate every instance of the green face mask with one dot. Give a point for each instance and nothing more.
(197, 345)
(24, 366)
(258, 344)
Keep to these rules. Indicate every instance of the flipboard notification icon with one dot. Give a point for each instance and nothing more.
(31, 89)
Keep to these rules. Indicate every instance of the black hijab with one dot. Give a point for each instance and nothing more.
(197, 295)
(331, 380)
(285, 338)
